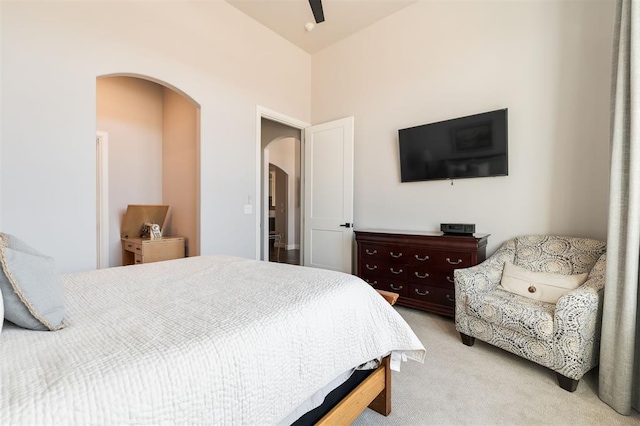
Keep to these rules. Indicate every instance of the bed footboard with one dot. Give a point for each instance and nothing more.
(374, 392)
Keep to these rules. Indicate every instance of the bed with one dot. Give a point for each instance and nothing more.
(208, 339)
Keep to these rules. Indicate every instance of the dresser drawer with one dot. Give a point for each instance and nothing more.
(437, 295)
(452, 259)
(133, 247)
(422, 256)
(430, 276)
(441, 259)
(385, 253)
(422, 263)
(378, 268)
(394, 286)
(144, 250)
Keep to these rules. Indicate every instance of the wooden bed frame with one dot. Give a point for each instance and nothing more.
(373, 392)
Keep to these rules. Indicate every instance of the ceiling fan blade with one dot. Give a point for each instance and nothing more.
(316, 8)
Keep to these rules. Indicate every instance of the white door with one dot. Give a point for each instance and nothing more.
(328, 195)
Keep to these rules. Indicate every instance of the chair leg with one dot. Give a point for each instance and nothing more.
(467, 340)
(566, 383)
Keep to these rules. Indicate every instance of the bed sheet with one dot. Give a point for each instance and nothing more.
(209, 339)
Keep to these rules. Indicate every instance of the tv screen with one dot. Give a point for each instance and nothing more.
(466, 147)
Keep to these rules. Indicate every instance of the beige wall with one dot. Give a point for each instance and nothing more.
(180, 186)
(548, 62)
(52, 53)
(271, 130)
(130, 111)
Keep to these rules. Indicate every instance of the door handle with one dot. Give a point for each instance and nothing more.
(347, 225)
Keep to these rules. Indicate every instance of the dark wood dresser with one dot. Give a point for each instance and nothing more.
(417, 265)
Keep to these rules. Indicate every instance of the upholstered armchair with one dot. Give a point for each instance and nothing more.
(563, 336)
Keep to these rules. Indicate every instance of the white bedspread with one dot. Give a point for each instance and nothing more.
(212, 339)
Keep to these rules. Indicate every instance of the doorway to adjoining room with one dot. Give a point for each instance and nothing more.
(281, 150)
(152, 157)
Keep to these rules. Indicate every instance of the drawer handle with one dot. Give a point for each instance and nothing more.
(394, 287)
(422, 294)
(450, 299)
(422, 259)
(138, 248)
(371, 268)
(454, 263)
(371, 252)
(449, 279)
(393, 271)
(395, 255)
(372, 283)
(421, 276)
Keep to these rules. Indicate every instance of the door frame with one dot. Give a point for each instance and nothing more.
(262, 218)
(102, 199)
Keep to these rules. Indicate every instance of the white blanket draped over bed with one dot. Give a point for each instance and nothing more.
(211, 339)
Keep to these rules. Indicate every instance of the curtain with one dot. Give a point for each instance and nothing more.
(620, 340)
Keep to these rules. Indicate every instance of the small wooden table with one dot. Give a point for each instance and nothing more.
(145, 250)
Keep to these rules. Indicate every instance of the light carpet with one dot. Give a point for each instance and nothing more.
(484, 385)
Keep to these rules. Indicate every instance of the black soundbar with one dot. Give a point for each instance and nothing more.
(458, 228)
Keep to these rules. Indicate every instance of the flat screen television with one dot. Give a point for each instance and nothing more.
(465, 147)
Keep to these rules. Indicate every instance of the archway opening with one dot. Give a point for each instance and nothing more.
(153, 156)
(282, 148)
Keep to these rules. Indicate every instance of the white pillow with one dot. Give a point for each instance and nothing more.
(543, 286)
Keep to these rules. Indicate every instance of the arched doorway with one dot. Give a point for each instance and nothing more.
(282, 150)
(153, 155)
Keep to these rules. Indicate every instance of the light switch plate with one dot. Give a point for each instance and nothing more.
(248, 209)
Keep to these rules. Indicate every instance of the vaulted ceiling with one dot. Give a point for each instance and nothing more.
(342, 18)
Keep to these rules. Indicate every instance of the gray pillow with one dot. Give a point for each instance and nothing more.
(30, 285)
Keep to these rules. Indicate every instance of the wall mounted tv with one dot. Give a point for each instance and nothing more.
(466, 147)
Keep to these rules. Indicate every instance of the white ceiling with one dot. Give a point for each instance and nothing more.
(342, 18)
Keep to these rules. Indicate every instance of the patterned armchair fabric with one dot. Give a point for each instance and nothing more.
(563, 336)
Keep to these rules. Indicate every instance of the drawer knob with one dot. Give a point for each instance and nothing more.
(449, 279)
(393, 271)
(371, 268)
(450, 299)
(454, 263)
(394, 287)
(422, 259)
(421, 276)
(395, 255)
(371, 252)
(422, 294)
